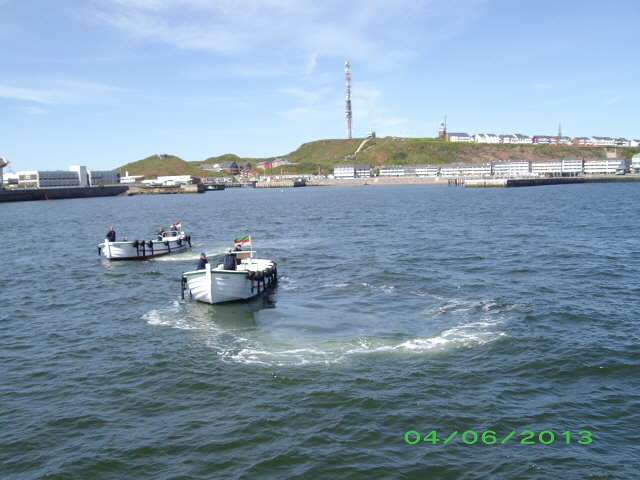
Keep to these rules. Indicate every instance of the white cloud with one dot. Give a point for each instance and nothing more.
(35, 110)
(361, 29)
(613, 100)
(542, 86)
(311, 65)
(62, 92)
(48, 97)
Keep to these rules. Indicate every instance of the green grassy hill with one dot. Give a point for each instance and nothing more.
(322, 155)
(153, 166)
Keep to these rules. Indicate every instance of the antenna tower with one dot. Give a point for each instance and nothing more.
(347, 79)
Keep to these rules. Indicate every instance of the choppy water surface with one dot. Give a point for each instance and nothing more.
(404, 308)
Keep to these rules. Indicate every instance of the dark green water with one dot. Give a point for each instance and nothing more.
(406, 308)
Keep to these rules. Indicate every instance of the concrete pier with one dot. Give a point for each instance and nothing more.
(26, 194)
(534, 182)
(281, 184)
(199, 188)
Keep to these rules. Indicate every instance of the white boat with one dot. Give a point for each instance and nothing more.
(217, 285)
(171, 242)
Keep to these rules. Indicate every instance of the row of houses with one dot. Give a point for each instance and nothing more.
(232, 167)
(519, 139)
(76, 176)
(242, 168)
(570, 166)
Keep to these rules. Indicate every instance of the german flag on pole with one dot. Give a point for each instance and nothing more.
(242, 240)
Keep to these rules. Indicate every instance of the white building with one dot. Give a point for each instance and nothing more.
(427, 170)
(520, 139)
(363, 171)
(602, 166)
(350, 170)
(545, 168)
(394, 170)
(466, 169)
(459, 137)
(452, 170)
(476, 169)
(601, 142)
(104, 177)
(76, 176)
(176, 179)
(635, 163)
(511, 167)
(344, 170)
(572, 166)
(486, 138)
(543, 140)
(131, 178)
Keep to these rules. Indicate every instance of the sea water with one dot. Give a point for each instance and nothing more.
(402, 315)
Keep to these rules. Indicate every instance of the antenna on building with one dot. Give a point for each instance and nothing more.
(347, 79)
(442, 131)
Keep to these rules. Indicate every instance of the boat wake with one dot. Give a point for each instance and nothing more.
(252, 335)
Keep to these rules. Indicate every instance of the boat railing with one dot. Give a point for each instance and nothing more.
(247, 256)
(171, 234)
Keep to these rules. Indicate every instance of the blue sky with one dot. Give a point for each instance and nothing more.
(103, 83)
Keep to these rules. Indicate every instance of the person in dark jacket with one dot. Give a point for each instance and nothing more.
(160, 233)
(238, 249)
(230, 260)
(202, 262)
(111, 236)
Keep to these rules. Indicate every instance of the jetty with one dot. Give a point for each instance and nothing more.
(58, 193)
(194, 188)
(281, 184)
(534, 182)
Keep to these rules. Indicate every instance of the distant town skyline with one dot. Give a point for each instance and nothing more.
(111, 82)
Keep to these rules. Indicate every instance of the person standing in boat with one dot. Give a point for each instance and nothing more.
(238, 249)
(202, 262)
(111, 235)
(230, 260)
(173, 228)
(160, 233)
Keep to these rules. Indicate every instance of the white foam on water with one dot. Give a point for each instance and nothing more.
(172, 316)
(460, 323)
(388, 289)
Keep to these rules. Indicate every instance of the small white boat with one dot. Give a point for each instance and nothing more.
(171, 242)
(217, 285)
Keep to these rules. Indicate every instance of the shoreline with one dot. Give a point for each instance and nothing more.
(473, 182)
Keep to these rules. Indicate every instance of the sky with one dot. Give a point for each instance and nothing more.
(103, 83)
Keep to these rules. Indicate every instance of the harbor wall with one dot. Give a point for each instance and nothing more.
(27, 194)
(281, 184)
(534, 182)
(192, 188)
(474, 182)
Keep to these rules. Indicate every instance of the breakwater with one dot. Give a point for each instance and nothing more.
(534, 182)
(473, 182)
(199, 188)
(281, 184)
(27, 194)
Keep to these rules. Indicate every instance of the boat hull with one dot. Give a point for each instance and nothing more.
(144, 250)
(216, 285)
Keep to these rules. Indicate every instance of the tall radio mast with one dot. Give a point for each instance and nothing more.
(347, 78)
